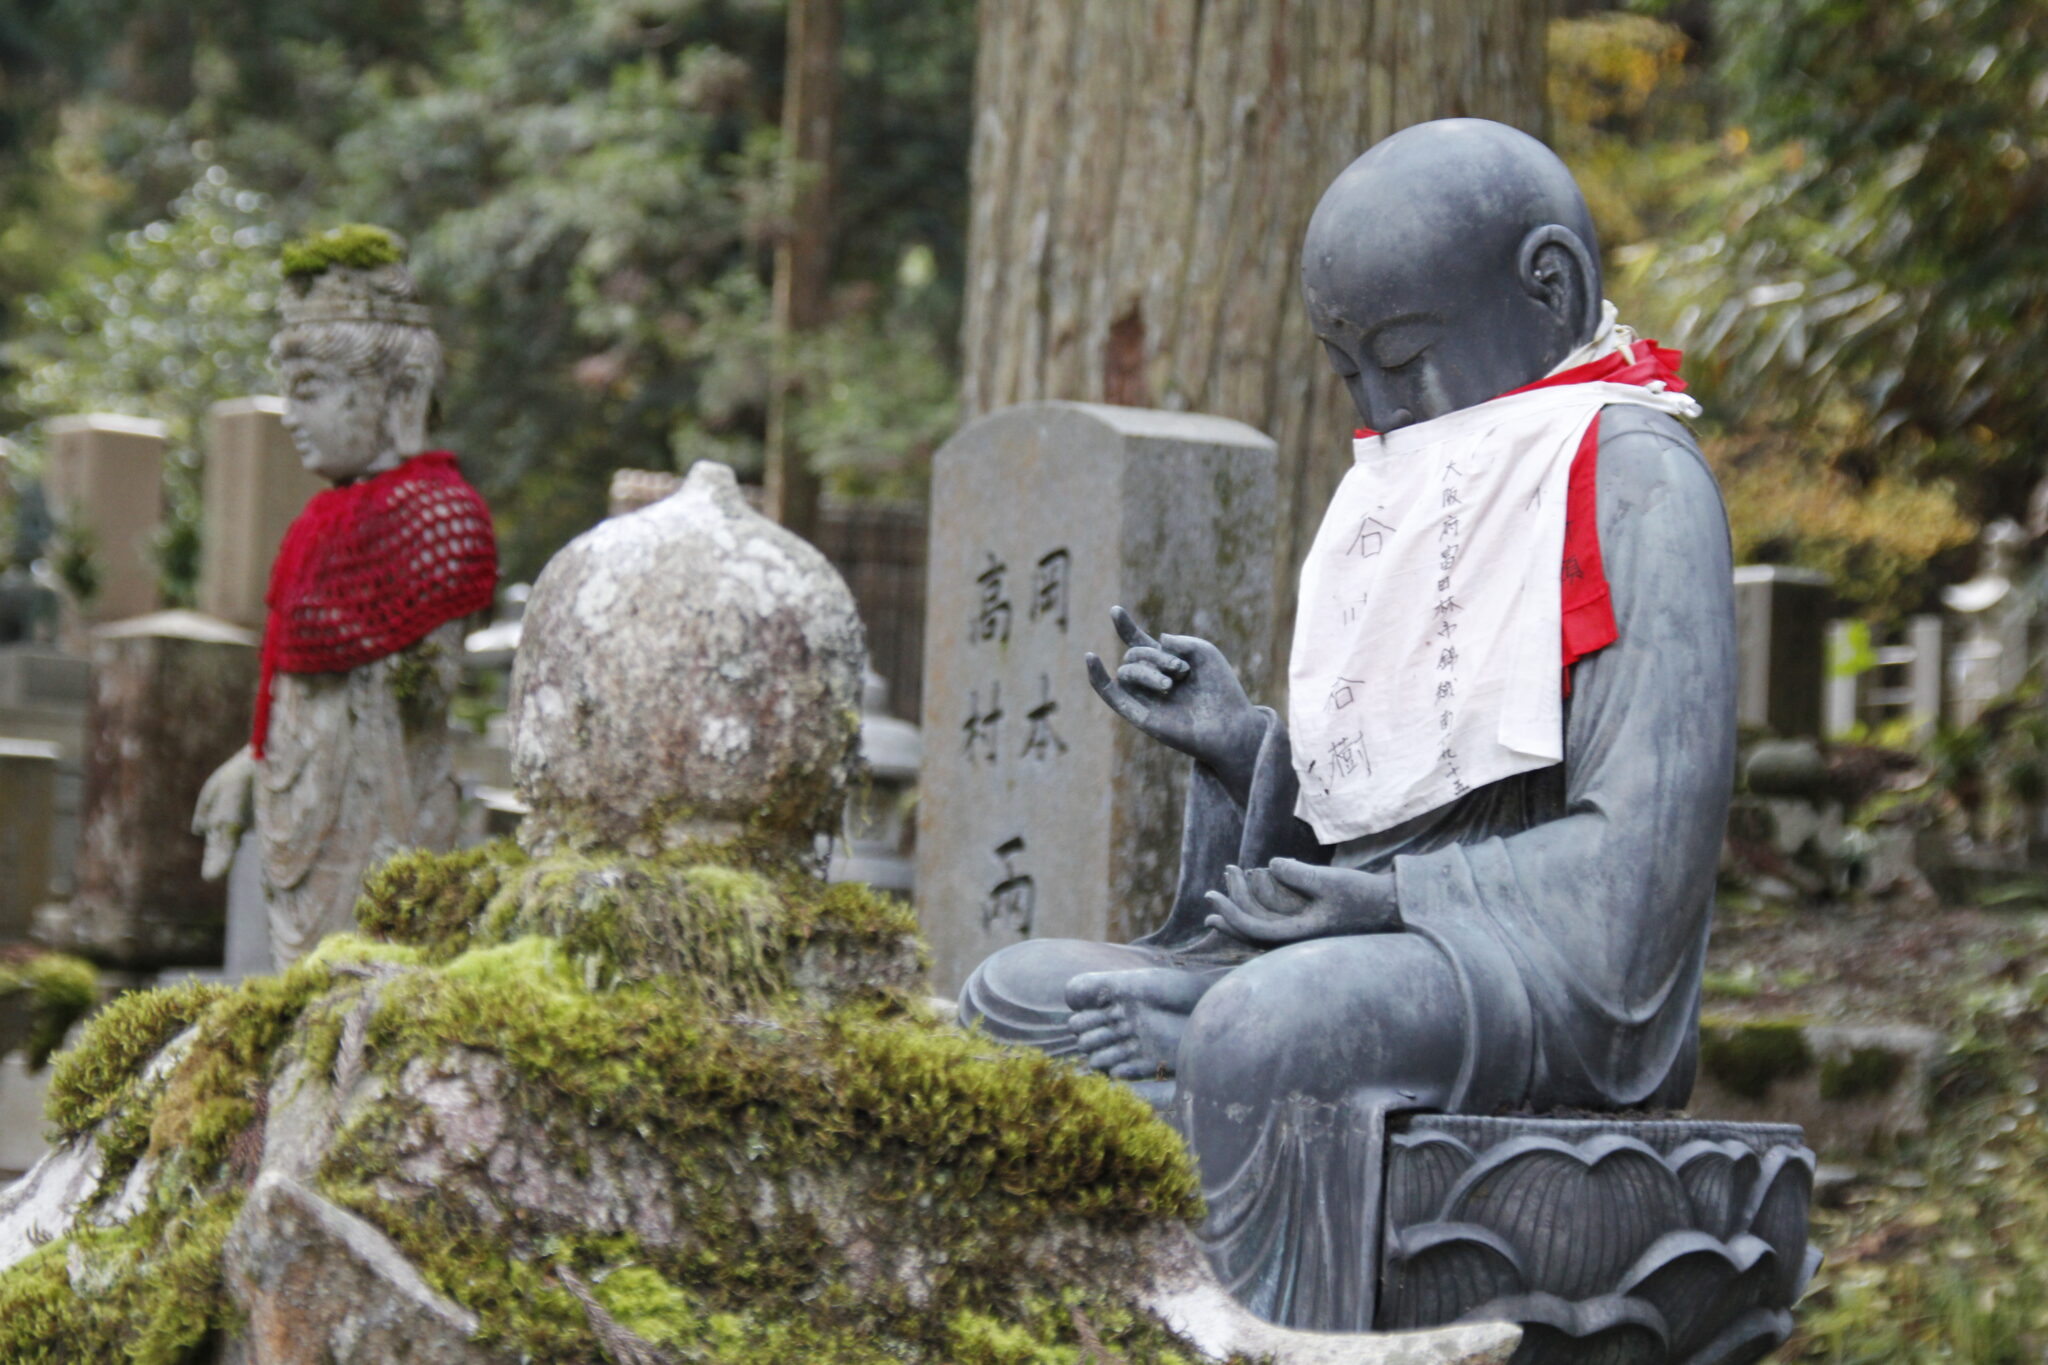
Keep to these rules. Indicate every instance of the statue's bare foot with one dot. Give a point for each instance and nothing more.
(1129, 1023)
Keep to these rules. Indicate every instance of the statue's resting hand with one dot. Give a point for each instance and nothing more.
(225, 809)
(1290, 902)
(1181, 691)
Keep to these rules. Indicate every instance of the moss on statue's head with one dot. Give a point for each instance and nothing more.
(356, 246)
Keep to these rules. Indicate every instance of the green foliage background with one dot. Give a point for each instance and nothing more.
(591, 191)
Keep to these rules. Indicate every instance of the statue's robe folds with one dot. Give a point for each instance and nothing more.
(358, 766)
(1553, 925)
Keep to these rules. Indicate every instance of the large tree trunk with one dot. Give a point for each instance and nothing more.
(803, 253)
(1143, 171)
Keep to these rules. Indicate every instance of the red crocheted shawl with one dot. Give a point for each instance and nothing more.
(1588, 605)
(369, 568)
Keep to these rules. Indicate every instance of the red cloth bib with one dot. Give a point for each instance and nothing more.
(372, 567)
(1588, 605)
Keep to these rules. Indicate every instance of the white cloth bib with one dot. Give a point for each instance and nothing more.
(1427, 657)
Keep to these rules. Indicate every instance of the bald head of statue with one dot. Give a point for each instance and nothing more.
(1449, 264)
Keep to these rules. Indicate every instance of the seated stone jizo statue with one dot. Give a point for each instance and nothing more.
(1473, 869)
(351, 760)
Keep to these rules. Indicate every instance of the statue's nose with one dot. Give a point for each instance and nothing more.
(1375, 400)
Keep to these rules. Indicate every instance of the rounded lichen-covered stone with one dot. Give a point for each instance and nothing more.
(689, 669)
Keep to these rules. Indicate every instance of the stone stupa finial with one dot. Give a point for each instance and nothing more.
(688, 671)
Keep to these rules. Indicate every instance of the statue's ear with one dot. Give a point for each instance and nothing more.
(1557, 268)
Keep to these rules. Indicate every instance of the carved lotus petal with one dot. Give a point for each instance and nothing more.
(1700, 1284)
(1422, 1168)
(1444, 1271)
(1749, 1338)
(1719, 1178)
(1578, 1215)
(1605, 1330)
(1778, 1215)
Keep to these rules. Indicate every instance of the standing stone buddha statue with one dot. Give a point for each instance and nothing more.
(1472, 869)
(351, 759)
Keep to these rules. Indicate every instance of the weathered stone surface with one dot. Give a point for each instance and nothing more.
(255, 485)
(45, 1202)
(1854, 1088)
(321, 1285)
(687, 669)
(172, 693)
(1187, 1297)
(1040, 813)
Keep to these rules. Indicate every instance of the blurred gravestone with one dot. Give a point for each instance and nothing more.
(255, 486)
(172, 692)
(28, 812)
(1040, 813)
(1781, 618)
(105, 480)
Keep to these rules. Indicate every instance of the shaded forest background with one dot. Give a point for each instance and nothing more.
(1834, 205)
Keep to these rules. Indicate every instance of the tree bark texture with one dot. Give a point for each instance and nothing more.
(1143, 172)
(803, 253)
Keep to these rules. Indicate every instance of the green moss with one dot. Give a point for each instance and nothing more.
(216, 1091)
(59, 991)
(155, 1294)
(1865, 1072)
(434, 900)
(413, 676)
(735, 924)
(357, 246)
(93, 1077)
(1747, 1058)
(647, 1305)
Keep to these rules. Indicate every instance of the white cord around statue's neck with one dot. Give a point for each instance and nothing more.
(1610, 336)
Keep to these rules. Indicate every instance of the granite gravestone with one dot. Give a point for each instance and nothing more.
(1040, 813)
(105, 480)
(1781, 617)
(171, 691)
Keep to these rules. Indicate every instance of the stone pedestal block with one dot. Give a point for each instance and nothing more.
(28, 822)
(255, 485)
(1041, 814)
(172, 695)
(105, 480)
(1781, 620)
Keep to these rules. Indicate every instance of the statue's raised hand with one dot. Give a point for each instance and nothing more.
(225, 808)
(1291, 902)
(1181, 691)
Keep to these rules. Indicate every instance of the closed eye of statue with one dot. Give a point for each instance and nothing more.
(1400, 343)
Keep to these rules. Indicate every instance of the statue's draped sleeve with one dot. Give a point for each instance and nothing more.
(1578, 938)
(1572, 905)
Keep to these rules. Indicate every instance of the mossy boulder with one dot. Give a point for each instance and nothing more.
(693, 1099)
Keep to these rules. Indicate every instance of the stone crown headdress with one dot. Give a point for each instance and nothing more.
(350, 274)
